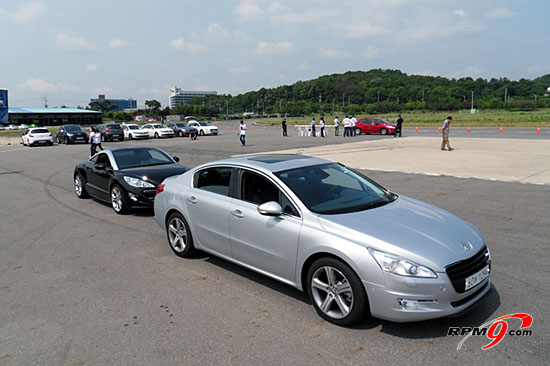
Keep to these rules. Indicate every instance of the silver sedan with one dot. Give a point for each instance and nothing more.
(353, 246)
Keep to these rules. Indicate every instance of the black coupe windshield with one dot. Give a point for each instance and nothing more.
(73, 128)
(133, 158)
(333, 189)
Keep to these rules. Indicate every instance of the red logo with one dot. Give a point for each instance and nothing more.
(495, 329)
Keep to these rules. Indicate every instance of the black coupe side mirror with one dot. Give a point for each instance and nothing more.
(100, 166)
(176, 159)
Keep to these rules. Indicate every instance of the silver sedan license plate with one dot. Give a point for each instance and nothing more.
(476, 278)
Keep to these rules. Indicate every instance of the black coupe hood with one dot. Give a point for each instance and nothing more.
(154, 174)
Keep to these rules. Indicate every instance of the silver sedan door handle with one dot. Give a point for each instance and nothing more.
(192, 199)
(237, 213)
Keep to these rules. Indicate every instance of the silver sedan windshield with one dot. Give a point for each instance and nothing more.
(333, 189)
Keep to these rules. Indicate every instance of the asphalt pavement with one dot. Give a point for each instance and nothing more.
(80, 285)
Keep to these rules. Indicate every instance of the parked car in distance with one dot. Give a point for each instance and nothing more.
(158, 130)
(374, 125)
(37, 136)
(134, 131)
(180, 129)
(69, 134)
(111, 132)
(22, 126)
(352, 245)
(125, 177)
(204, 128)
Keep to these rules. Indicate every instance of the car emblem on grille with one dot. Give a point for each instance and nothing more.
(466, 246)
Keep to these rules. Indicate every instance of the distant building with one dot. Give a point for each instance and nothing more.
(53, 116)
(179, 96)
(121, 104)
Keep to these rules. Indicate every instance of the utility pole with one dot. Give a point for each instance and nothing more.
(535, 97)
(343, 100)
(472, 100)
(333, 105)
(226, 108)
(505, 95)
(379, 96)
(320, 103)
(45, 102)
(422, 95)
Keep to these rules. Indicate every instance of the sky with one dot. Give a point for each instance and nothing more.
(71, 51)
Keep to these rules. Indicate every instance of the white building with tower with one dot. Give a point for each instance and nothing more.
(179, 96)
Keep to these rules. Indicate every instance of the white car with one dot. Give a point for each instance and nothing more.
(134, 131)
(37, 136)
(204, 128)
(157, 130)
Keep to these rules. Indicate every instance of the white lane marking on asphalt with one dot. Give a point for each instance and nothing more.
(21, 148)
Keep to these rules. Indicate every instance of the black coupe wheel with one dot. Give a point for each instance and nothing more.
(119, 199)
(79, 186)
(66, 140)
(179, 236)
(336, 292)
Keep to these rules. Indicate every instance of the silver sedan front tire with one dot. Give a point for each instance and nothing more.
(336, 292)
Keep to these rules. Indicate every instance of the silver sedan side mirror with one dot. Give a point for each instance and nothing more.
(270, 208)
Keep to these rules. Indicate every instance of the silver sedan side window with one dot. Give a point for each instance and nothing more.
(258, 190)
(216, 180)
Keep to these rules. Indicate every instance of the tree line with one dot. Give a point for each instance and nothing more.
(371, 92)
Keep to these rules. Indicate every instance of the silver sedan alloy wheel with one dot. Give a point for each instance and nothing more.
(332, 292)
(116, 199)
(177, 234)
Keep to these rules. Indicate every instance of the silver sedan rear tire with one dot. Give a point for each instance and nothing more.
(179, 236)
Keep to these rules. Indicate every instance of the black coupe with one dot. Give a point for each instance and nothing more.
(126, 177)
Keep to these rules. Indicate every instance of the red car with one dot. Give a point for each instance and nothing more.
(374, 125)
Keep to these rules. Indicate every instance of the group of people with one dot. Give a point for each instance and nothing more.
(95, 141)
(349, 124)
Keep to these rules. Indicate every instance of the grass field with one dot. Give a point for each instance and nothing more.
(18, 133)
(489, 118)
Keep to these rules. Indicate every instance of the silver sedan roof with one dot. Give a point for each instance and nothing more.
(272, 162)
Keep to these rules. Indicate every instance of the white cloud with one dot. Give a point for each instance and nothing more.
(333, 53)
(25, 12)
(268, 48)
(460, 13)
(215, 30)
(500, 13)
(249, 10)
(238, 70)
(371, 52)
(304, 66)
(539, 70)
(180, 44)
(104, 90)
(41, 86)
(118, 43)
(92, 67)
(72, 42)
(470, 71)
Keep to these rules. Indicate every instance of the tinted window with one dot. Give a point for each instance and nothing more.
(333, 189)
(133, 127)
(215, 180)
(180, 125)
(73, 128)
(40, 130)
(258, 190)
(158, 126)
(103, 159)
(140, 157)
(114, 127)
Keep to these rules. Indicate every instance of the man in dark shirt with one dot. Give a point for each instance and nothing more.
(284, 127)
(399, 124)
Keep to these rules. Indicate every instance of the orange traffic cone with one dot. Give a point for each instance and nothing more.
(227, 128)
(265, 128)
(468, 130)
(271, 123)
(329, 129)
(416, 129)
(279, 128)
(439, 129)
(294, 128)
(538, 130)
(501, 130)
(252, 128)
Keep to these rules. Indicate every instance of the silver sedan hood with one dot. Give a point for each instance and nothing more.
(412, 229)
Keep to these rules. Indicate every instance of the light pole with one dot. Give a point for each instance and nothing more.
(472, 101)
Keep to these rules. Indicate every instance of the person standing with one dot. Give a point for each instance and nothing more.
(445, 132)
(353, 124)
(312, 124)
(322, 124)
(347, 124)
(92, 143)
(398, 125)
(336, 125)
(96, 141)
(284, 127)
(242, 133)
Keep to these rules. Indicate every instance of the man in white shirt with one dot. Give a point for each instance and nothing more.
(347, 126)
(242, 133)
(353, 123)
(336, 126)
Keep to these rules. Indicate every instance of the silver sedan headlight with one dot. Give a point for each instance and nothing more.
(138, 183)
(400, 266)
